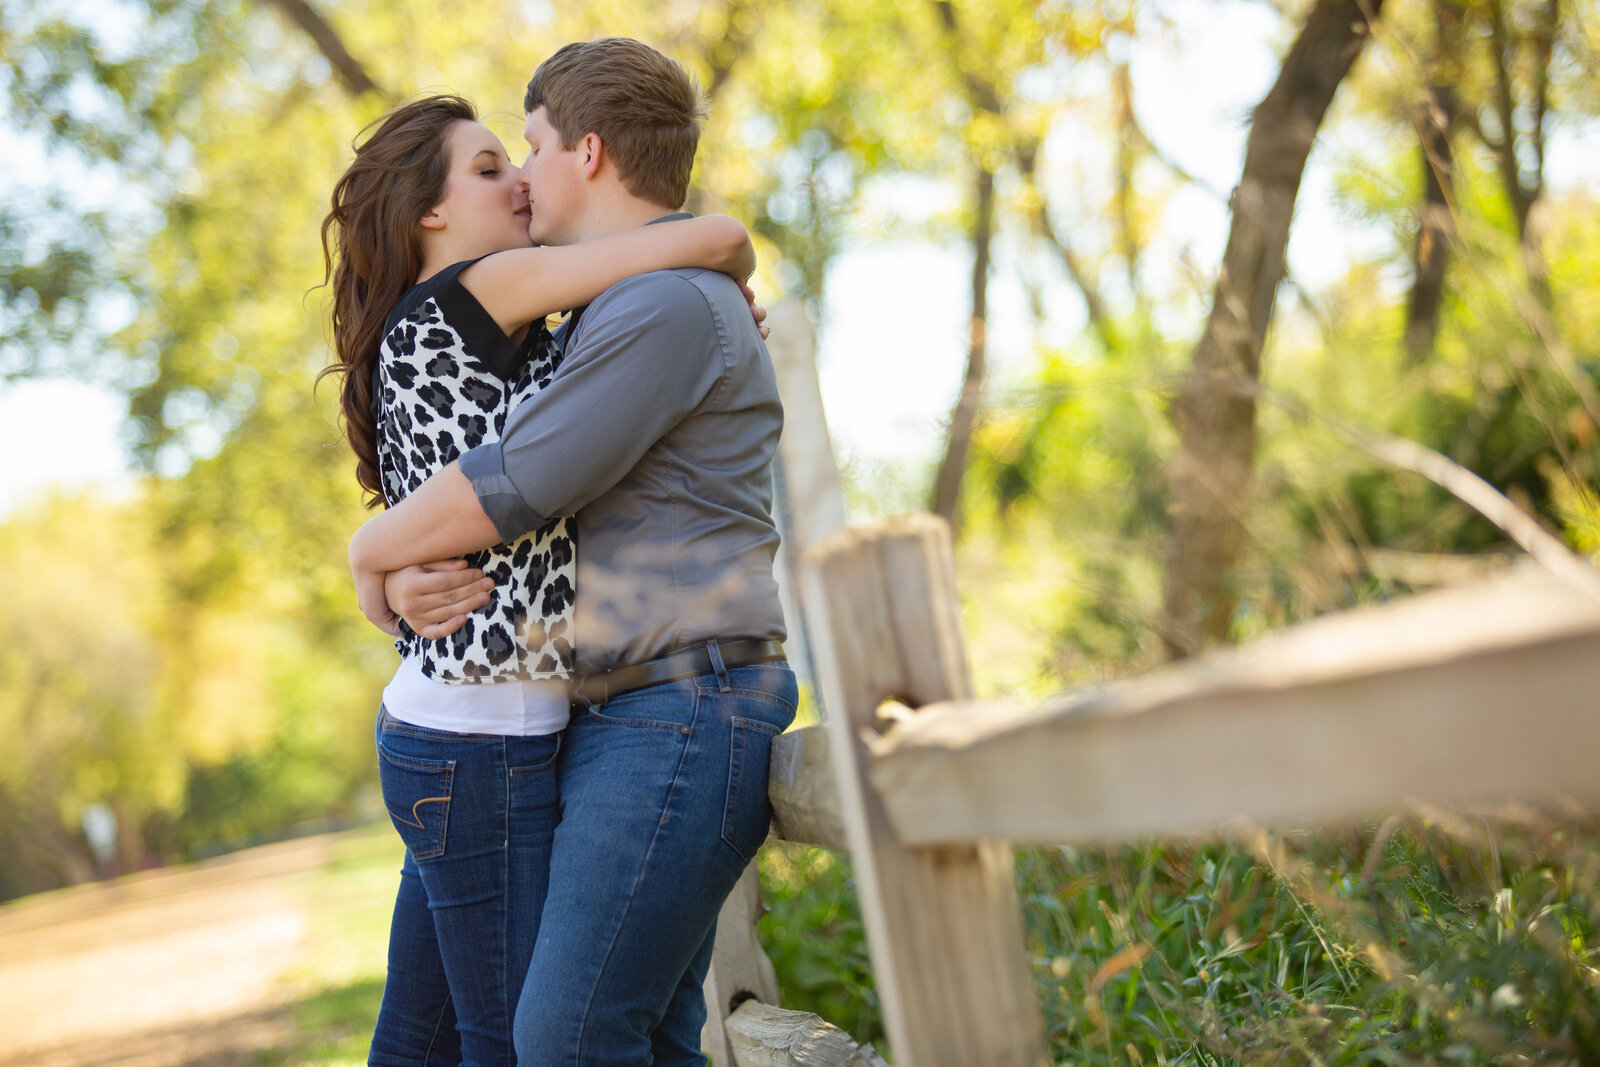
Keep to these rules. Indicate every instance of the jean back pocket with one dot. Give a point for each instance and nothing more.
(417, 794)
(748, 813)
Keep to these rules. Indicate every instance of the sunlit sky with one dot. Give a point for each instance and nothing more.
(891, 347)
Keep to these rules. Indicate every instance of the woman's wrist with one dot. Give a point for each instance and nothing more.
(369, 577)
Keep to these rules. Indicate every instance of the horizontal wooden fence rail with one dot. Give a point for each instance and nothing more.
(1481, 693)
(805, 799)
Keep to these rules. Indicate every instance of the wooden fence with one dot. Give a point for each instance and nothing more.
(1480, 693)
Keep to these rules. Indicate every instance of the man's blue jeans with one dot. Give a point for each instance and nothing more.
(478, 814)
(664, 801)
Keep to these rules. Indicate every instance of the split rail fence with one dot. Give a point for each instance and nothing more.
(1483, 693)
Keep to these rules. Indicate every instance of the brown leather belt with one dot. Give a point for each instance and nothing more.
(674, 666)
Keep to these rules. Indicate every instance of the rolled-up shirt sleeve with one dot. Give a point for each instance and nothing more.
(638, 364)
(484, 466)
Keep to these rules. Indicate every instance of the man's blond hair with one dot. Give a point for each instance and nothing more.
(644, 107)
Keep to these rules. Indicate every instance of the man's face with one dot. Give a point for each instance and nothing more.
(555, 182)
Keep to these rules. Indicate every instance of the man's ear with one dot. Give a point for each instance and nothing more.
(594, 154)
(432, 220)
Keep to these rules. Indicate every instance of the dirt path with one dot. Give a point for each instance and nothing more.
(158, 969)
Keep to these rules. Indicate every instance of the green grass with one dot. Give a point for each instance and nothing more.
(814, 936)
(1424, 940)
(1427, 939)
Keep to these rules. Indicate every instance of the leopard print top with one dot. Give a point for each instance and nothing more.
(445, 381)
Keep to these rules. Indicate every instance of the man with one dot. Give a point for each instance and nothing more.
(657, 432)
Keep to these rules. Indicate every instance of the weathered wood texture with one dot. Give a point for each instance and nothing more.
(761, 1035)
(808, 501)
(943, 924)
(1471, 694)
(805, 800)
(816, 499)
(740, 969)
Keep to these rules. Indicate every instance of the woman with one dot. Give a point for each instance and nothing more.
(439, 302)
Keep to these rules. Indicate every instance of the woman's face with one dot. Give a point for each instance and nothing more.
(485, 206)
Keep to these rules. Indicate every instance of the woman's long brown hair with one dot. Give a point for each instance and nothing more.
(372, 251)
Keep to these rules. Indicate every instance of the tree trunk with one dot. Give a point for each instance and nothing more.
(983, 96)
(1215, 412)
(1544, 36)
(1433, 231)
(1522, 172)
(1435, 132)
(947, 486)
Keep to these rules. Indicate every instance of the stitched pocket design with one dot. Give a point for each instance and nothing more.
(417, 794)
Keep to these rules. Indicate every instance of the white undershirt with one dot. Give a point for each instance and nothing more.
(514, 708)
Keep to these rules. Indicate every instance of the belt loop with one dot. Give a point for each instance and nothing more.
(717, 665)
(577, 697)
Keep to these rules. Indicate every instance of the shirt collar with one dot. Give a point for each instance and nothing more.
(566, 328)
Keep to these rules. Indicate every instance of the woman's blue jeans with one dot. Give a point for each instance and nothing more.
(663, 801)
(477, 813)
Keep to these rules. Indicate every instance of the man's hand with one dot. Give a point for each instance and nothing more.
(434, 598)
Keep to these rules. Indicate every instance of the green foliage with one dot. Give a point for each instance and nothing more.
(80, 676)
(814, 936)
(1432, 938)
(1173, 952)
(208, 714)
(1066, 502)
(223, 127)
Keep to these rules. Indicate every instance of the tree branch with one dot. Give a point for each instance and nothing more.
(982, 96)
(1435, 127)
(947, 483)
(1505, 110)
(354, 76)
(1465, 486)
(1026, 158)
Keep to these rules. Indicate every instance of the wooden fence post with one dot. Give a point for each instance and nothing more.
(816, 499)
(740, 969)
(943, 923)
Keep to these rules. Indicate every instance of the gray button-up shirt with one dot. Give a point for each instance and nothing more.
(658, 433)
